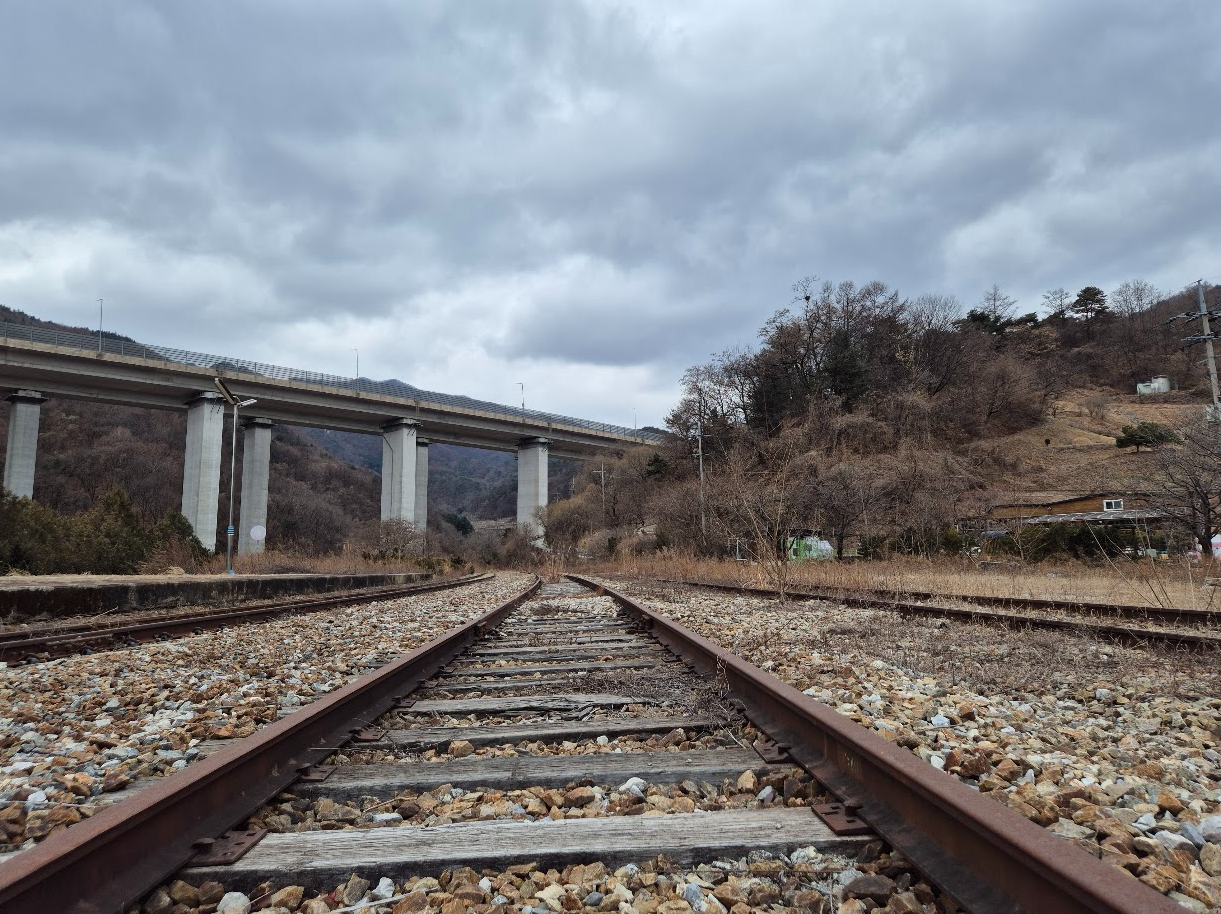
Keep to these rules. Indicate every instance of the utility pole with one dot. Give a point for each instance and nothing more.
(1206, 336)
(601, 472)
(1208, 349)
(699, 438)
(99, 326)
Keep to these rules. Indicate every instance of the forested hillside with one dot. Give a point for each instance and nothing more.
(476, 483)
(863, 413)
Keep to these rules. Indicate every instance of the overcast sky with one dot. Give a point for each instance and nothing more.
(585, 198)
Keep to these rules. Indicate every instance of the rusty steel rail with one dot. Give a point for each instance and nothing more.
(63, 640)
(989, 858)
(1125, 634)
(1114, 610)
(113, 858)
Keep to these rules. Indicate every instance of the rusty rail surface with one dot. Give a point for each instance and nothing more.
(985, 855)
(113, 858)
(61, 640)
(1125, 634)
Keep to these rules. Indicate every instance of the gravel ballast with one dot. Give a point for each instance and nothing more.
(1113, 748)
(78, 730)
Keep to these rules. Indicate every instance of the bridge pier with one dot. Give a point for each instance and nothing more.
(256, 470)
(201, 467)
(22, 451)
(421, 483)
(399, 452)
(531, 485)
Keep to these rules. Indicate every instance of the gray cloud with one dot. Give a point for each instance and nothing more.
(584, 197)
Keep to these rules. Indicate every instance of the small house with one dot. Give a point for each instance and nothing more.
(1067, 508)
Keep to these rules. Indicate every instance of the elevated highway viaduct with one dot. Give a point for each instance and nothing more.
(37, 364)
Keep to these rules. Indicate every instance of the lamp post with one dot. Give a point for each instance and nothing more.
(99, 326)
(236, 404)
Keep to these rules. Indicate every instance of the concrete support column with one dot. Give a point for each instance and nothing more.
(399, 470)
(421, 483)
(256, 468)
(201, 468)
(22, 442)
(531, 485)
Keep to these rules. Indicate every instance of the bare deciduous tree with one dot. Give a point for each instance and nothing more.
(997, 305)
(1056, 301)
(1134, 297)
(762, 493)
(848, 492)
(1188, 486)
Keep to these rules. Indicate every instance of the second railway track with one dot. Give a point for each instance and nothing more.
(569, 750)
(43, 642)
(1200, 629)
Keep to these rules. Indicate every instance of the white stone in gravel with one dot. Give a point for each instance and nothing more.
(806, 855)
(1173, 841)
(234, 903)
(1192, 833)
(552, 894)
(1066, 828)
(843, 877)
(36, 800)
(1191, 904)
(390, 817)
(694, 897)
(940, 720)
(384, 889)
(634, 786)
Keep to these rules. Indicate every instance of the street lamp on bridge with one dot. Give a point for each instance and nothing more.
(236, 404)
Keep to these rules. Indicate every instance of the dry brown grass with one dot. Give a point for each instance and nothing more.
(1124, 583)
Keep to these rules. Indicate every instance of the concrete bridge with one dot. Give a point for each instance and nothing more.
(38, 363)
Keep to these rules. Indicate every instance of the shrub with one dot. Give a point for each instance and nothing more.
(1146, 434)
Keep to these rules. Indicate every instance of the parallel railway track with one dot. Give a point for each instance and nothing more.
(558, 683)
(1084, 618)
(57, 640)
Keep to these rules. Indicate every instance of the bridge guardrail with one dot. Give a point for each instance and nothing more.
(120, 346)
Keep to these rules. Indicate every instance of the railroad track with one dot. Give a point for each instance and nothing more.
(568, 750)
(912, 604)
(39, 643)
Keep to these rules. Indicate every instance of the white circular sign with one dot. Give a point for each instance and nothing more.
(258, 532)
